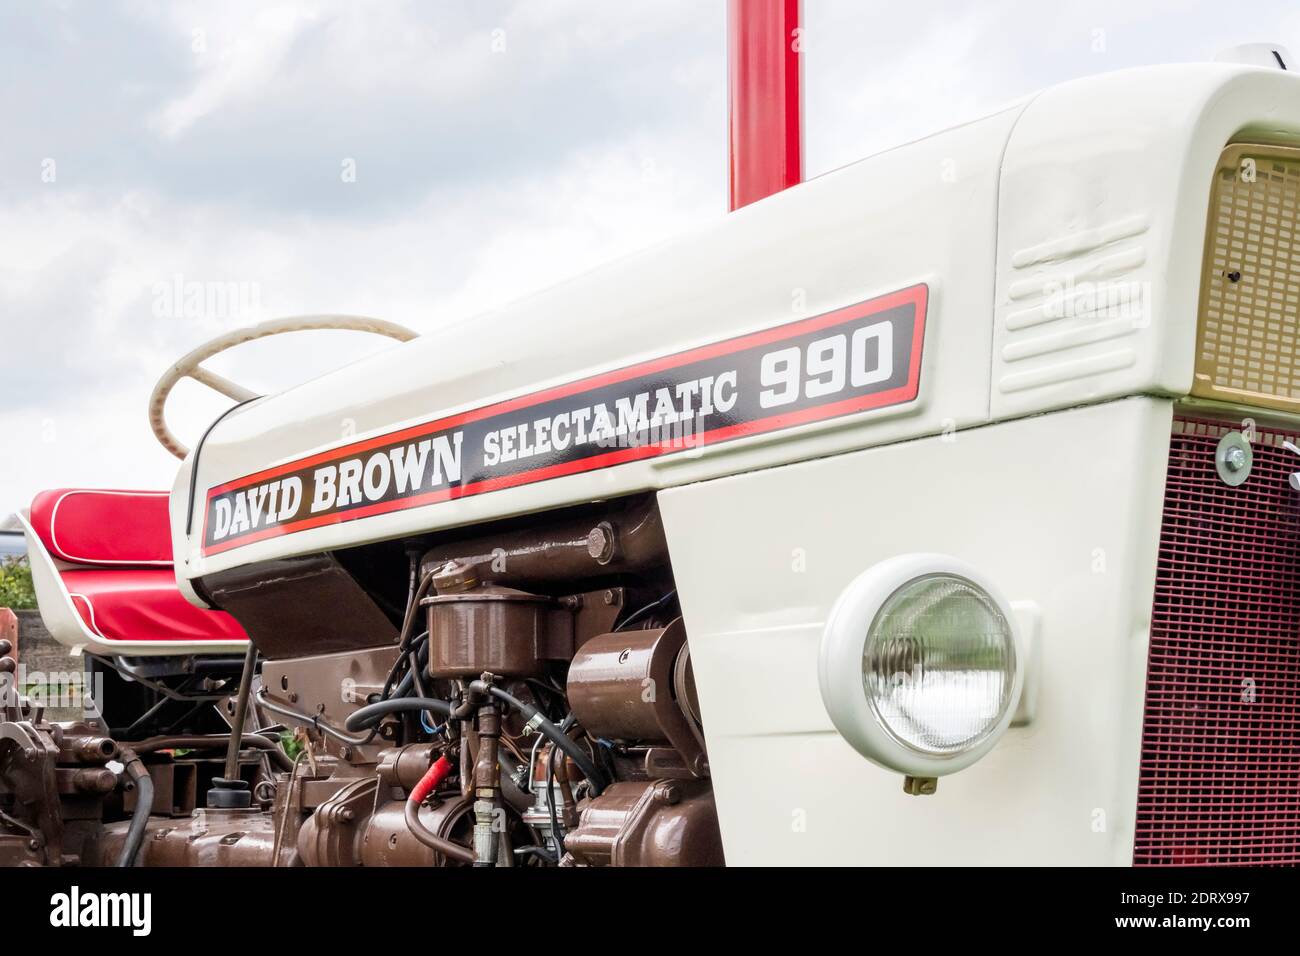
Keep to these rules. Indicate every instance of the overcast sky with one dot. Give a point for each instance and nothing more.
(418, 161)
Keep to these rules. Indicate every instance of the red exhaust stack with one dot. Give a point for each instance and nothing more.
(765, 98)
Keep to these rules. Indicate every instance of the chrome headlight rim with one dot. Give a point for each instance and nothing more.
(840, 664)
(872, 629)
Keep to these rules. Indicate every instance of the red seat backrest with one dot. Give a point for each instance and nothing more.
(102, 528)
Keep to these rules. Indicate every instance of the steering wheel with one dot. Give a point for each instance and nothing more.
(189, 367)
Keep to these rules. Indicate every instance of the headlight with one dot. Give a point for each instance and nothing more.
(920, 665)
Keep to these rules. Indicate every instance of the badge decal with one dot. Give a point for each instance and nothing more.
(860, 357)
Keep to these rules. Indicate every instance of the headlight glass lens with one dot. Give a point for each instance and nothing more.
(939, 664)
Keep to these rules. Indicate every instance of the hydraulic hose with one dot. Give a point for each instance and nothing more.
(408, 681)
(539, 720)
(368, 716)
(453, 851)
(438, 771)
(130, 853)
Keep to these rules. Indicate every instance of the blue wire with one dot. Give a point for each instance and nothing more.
(424, 722)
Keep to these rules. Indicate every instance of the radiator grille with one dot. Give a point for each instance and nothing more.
(1220, 771)
(1250, 284)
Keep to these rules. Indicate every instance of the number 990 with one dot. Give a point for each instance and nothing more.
(828, 366)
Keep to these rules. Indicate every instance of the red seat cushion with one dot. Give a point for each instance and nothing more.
(102, 528)
(144, 605)
(123, 586)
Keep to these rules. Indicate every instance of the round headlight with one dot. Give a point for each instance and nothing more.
(920, 665)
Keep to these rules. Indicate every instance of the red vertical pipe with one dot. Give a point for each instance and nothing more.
(765, 98)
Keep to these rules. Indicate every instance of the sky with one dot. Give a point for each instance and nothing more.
(419, 162)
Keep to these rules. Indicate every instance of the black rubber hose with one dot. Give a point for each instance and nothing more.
(453, 851)
(562, 740)
(413, 671)
(408, 681)
(371, 714)
(140, 815)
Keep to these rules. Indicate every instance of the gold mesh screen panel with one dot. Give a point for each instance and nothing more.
(1248, 349)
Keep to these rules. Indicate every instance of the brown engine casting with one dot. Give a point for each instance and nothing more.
(528, 701)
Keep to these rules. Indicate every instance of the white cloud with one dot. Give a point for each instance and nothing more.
(237, 57)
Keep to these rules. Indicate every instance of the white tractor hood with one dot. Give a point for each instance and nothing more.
(905, 295)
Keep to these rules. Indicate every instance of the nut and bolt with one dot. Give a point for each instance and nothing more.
(668, 793)
(601, 543)
(1233, 459)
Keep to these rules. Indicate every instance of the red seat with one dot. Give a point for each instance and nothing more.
(112, 554)
(144, 605)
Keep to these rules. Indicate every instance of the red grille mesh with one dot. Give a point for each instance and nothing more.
(1220, 771)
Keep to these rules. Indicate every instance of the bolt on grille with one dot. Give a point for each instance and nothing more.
(1220, 770)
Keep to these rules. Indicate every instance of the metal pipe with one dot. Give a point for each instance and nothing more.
(241, 711)
(144, 718)
(297, 716)
(487, 786)
(90, 749)
(202, 742)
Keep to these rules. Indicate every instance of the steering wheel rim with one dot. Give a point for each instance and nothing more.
(189, 365)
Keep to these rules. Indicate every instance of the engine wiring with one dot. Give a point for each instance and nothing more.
(649, 609)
